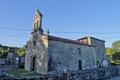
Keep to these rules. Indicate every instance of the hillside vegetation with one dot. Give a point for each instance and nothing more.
(4, 50)
(114, 52)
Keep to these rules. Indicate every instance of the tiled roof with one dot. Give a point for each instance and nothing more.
(54, 38)
(91, 38)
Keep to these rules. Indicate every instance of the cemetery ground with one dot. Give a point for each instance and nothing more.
(20, 73)
(11, 73)
(16, 73)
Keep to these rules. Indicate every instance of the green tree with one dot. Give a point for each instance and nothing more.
(110, 51)
(21, 51)
(114, 52)
(1, 52)
(116, 56)
(116, 45)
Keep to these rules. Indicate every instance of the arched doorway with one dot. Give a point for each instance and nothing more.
(33, 63)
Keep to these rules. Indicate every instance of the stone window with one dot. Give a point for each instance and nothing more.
(79, 51)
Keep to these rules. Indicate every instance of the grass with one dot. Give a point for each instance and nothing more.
(115, 61)
(20, 73)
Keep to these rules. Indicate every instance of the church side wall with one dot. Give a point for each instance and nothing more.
(100, 50)
(66, 56)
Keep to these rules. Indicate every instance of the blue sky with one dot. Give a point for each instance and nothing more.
(83, 16)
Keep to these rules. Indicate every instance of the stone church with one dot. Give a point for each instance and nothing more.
(46, 53)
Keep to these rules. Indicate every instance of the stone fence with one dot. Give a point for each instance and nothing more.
(93, 74)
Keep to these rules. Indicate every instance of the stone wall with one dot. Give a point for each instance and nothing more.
(100, 50)
(66, 56)
(99, 46)
(92, 74)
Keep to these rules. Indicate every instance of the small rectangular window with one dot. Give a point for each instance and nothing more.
(80, 65)
(34, 43)
(79, 51)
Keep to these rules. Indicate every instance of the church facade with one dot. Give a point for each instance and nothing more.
(46, 53)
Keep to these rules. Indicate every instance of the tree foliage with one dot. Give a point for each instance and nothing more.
(5, 49)
(110, 51)
(116, 56)
(21, 51)
(116, 45)
(1, 51)
(114, 52)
